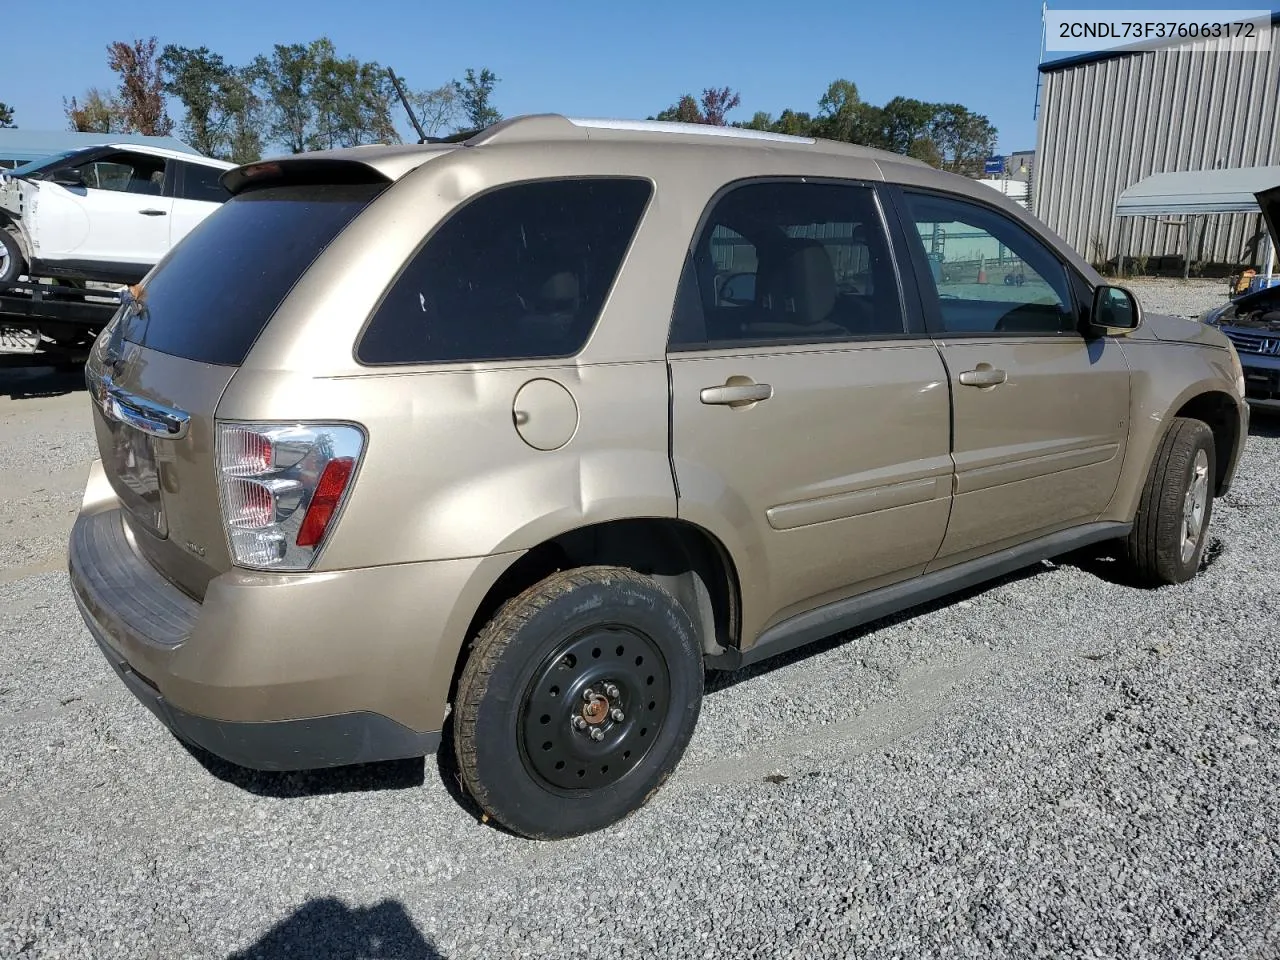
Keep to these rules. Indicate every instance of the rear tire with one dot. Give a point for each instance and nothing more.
(12, 263)
(577, 702)
(1167, 541)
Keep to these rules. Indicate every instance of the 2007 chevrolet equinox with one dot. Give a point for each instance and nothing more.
(530, 429)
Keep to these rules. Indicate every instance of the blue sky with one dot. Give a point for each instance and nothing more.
(591, 59)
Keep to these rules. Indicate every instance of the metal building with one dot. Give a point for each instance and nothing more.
(1106, 120)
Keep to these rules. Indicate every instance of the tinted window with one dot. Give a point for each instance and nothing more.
(125, 173)
(990, 274)
(213, 295)
(521, 272)
(791, 262)
(201, 183)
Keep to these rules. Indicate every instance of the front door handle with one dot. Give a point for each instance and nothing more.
(984, 376)
(736, 392)
(151, 212)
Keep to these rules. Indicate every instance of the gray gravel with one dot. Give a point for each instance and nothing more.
(1057, 765)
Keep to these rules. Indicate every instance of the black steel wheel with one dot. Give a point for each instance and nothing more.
(595, 708)
(577, 701)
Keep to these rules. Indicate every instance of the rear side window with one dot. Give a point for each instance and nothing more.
(214, 294)
(201, 183)
(518, 273)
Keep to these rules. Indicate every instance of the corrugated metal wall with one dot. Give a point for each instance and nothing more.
(1105, 125)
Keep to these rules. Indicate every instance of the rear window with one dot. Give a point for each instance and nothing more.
(518, 273)
(214, 295)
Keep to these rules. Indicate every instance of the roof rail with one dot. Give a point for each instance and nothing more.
(555, 126)
(693, 129)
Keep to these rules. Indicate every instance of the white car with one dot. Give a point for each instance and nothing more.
(107, 213)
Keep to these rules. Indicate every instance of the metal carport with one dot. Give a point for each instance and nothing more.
(1191, 192)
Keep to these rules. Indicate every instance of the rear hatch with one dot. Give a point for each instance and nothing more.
(159, 369)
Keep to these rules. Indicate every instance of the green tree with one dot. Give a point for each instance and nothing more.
(98, 113)
(247, 113)
(905, 121)
(684, 110)
(760, 120)
(474, 92)
(795, 124)
(286, 79)
(352, 101)
(6, 116)
(141, 93)
(838, 111)
(964, 138)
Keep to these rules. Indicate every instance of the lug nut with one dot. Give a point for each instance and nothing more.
(579, 723)
(597, 734)
(618, 715)
(611, 691)
(587, 694)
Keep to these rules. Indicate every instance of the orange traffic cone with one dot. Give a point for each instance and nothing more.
(982, 270)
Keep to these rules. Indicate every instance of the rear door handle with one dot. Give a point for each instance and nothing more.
(984, 376)
(149, 212)
(736, 394)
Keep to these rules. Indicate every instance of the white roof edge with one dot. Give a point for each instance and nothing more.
(166, 152)
(693, 129)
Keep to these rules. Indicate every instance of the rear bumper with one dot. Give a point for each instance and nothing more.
(276, 744)
(280, 672)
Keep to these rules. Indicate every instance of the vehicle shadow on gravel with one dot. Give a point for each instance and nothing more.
(287, 785)
(30, 382)
(720, 680)
(328, 929)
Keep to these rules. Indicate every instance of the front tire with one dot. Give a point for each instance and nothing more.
(577, 702)
(1167, 541)
(12, 263)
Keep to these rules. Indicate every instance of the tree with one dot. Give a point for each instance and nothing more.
(99, 113)
(905, 121)
(964, 139)
(716, 103)
(436, 109)
(200, 80)
(838, 112)
(141, 94)
(473, 94)
(6, 116)
(247, 113)
(352, 101)
(759, 121)
(314, 99)
(286, 79)
(794, 124)
(684, 110)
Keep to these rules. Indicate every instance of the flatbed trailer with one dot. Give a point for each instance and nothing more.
(51, 322)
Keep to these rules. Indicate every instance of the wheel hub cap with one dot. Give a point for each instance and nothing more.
(1195, 504)
(594, 708)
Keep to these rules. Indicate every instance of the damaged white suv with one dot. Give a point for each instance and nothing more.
(106, 213)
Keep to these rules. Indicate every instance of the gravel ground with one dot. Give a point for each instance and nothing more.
(1057, 765)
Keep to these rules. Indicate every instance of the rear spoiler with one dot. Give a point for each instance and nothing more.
(293, 171)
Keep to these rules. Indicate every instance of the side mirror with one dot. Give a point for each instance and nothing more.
(70, 177)
(1116, 311)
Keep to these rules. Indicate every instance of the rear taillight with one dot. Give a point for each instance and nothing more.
(281, 486)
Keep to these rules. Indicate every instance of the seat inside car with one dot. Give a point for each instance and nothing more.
(796, 294)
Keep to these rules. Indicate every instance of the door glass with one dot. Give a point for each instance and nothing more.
(126, 173)
(790, 262)
(990, 275)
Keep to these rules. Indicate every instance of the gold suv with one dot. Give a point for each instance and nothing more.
(509, 439)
